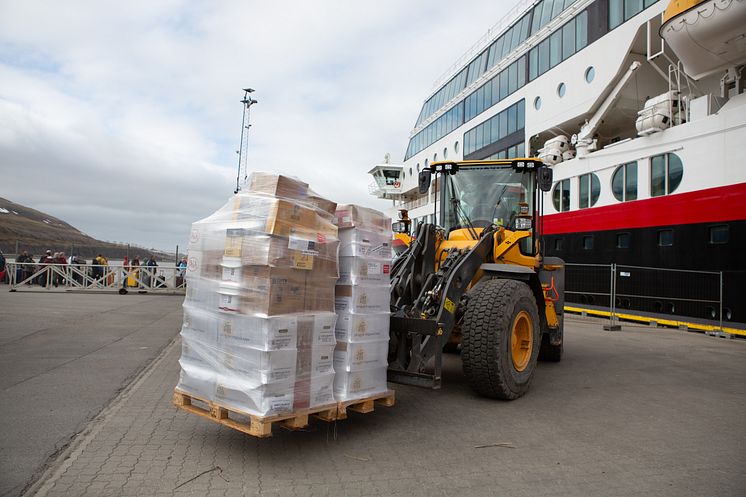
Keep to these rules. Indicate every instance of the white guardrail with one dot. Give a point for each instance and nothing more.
(88, 277)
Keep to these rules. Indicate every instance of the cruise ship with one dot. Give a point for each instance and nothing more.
(639, 108)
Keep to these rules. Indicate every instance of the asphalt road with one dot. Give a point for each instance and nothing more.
(63, 357)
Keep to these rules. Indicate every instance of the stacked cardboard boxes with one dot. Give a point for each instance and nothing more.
(362, 302)
(258, 333)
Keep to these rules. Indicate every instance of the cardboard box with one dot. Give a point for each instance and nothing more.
(319, 293)
(252, 397)
(264, 366)
(364, 270)
(277, 185)
(264, 290)
(271, 215)
(322, 204)
(200, 324)
(314, 391)
(197, 380)
(360, 243)
(361, 299)
(355, 216)
(361, 355)
(265, 333)
(316, 330)
(350, 385)
(301, 250)
(198, 353)
(203, 294)
(352, 327)
(200, 265)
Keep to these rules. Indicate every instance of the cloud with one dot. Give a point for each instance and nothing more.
(123, 119)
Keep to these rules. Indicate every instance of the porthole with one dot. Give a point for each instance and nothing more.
(561, 88)
(435, 157)
(455, 147)
(590, 73)
(425, 163)
(410, 171)
(418, 168)
(445, 153)
(537, 103)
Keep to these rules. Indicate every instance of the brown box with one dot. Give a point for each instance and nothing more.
(322, 204)
(319, 292)
(356, 216)
(264, 290)
(277, 185)
(272, 215)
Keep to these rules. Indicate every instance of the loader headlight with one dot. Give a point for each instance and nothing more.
(523, 223)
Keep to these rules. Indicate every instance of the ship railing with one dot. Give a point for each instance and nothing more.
(25, 276)
(659, 294)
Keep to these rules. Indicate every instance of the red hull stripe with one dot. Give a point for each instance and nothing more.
(713, 205)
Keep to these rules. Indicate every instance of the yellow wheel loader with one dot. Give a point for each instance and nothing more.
(478, 280)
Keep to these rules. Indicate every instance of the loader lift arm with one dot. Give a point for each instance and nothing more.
(426, 302)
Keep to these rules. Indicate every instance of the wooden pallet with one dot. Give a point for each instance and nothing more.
(261, 426)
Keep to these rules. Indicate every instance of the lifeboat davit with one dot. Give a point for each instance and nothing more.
(707, 36)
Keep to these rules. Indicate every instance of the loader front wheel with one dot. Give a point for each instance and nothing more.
(501, 339)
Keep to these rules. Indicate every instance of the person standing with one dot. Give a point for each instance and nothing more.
(151, 271)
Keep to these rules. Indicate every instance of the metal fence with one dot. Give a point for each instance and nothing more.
(89, 277)
(672, 292)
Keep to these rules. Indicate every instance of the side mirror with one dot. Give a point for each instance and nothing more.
(544, 177)
(424, 180)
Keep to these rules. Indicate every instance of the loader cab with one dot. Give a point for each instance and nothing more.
(478, 194)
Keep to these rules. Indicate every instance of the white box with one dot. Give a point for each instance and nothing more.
(197, 352)
(314, 391)
(200, 324)
(196, 380)
(362, 299)
(264, 366)
(202, 294)
(358, 384)
(252, 397)
(315, 360)
(316, 329)
(353, 327)
(265, 333)
(361, 355)
(355, 242)
(364, 270)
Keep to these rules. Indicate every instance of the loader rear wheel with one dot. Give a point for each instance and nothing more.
(500, 339)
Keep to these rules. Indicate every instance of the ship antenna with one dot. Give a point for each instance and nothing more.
(244, 147)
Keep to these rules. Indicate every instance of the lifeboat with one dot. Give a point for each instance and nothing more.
(707, 36)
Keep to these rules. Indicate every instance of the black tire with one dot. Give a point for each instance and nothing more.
(490, 315)
(549, 352)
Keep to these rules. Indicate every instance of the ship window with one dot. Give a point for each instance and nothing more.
(435, 157)
(425, 163)
(719, 234)
(533, 63)
(588, 242)
(536, 21)
(624, 182)
(445, 153)
(665, 238)
(559, 244)
(589, 191)
(666, 171)
(622, 240)
(568, 39)
(581, 30)
(544, 56)
(418, 168)
(455, 147)
(632, 8)
(558, 6)
(561, 196)
(537, 103)
(616, 13)
(555, 48)
(561, 88)
(590, 73)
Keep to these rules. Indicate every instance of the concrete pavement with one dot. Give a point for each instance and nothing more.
(638, 412)
(63, 357)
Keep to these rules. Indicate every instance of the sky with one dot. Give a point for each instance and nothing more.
(124, 118)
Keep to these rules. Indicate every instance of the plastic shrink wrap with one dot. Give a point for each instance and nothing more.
(362, 301)
(259, 322)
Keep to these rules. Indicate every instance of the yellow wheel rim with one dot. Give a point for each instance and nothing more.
(521, 340)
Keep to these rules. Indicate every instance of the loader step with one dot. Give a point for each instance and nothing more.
(261, 426)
